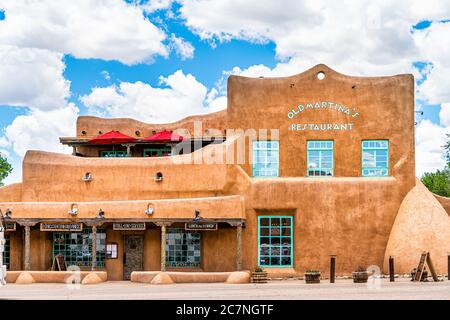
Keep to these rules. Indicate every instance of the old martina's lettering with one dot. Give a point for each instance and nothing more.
(322, 105)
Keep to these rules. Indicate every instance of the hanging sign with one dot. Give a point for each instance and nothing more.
(129, 226)
(10, 226)
(203, 226)
(61, 226)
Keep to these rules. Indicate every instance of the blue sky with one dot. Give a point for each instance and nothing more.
(115, 57)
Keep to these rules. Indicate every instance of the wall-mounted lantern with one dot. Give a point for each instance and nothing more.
(73, 209)
(197, 215)
(87, 177)
(150, 209)
(101, 214)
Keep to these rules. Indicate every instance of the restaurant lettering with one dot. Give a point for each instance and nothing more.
(61, 226)
(322, 105)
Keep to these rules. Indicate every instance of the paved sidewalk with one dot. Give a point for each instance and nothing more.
(285, 289)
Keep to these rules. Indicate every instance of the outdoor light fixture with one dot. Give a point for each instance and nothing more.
(73, 210)
(149, 210)
(197, 215)
(87, 177)
(8, 213)
(101, 214)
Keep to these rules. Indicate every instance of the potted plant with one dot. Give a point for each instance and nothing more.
(312, 276)
(360, 275)
(259, 275)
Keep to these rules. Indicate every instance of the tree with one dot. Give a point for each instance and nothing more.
(438, 182)
(5, 169)
(447, 149)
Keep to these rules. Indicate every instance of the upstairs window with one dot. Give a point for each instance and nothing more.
(150, 152)
(113, 154)
(375, 158)
(320, 158)
(265, 159)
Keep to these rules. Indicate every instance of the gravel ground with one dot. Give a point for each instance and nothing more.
(281, 290)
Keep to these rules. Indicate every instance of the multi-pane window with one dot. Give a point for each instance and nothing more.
(375, 158)
(113, 154)
(76, 247)
(6, 253)
(265, 158)
(157, 152)
(275, 241)
(182, 248)
(320, 158)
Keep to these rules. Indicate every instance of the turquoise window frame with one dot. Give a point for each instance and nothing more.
(380, 151)
(7, 252)
(113, 154)
(159, 152)
(319, 147)
(186, 253)
(262, 150)
(76, 247)
(279, 246)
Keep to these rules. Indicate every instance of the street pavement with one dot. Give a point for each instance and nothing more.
(281, 290)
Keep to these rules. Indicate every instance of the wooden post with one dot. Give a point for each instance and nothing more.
(239, 247)
(391, 269)
(332, 268)
(27, 247)
(163, 247)
(94, 248)
(128, 150)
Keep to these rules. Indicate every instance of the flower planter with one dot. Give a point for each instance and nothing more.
(312, 277)
(360, 276)
(259, 277)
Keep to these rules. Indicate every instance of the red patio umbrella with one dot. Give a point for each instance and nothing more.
(164, 136)
(112, 137)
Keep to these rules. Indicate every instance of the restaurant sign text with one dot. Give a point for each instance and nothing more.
(129, 226)
(204, 226)
(297, 111)
(56, 226)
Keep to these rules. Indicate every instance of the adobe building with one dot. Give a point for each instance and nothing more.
(294, 170)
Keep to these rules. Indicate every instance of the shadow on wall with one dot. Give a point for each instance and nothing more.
(422, 224)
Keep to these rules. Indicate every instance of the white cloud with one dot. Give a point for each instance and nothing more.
(151, 6)
(182, 96)
(107, 29)
(32, 77)
(355, 37)
(184, 49)
(40, 130)
(430, 139)
(444, 114)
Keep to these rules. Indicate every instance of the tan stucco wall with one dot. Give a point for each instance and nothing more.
(444, 201)
(421, 225)
(93, 125)
(11, 193)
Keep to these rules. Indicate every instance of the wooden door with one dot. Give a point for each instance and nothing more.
(133, 254)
